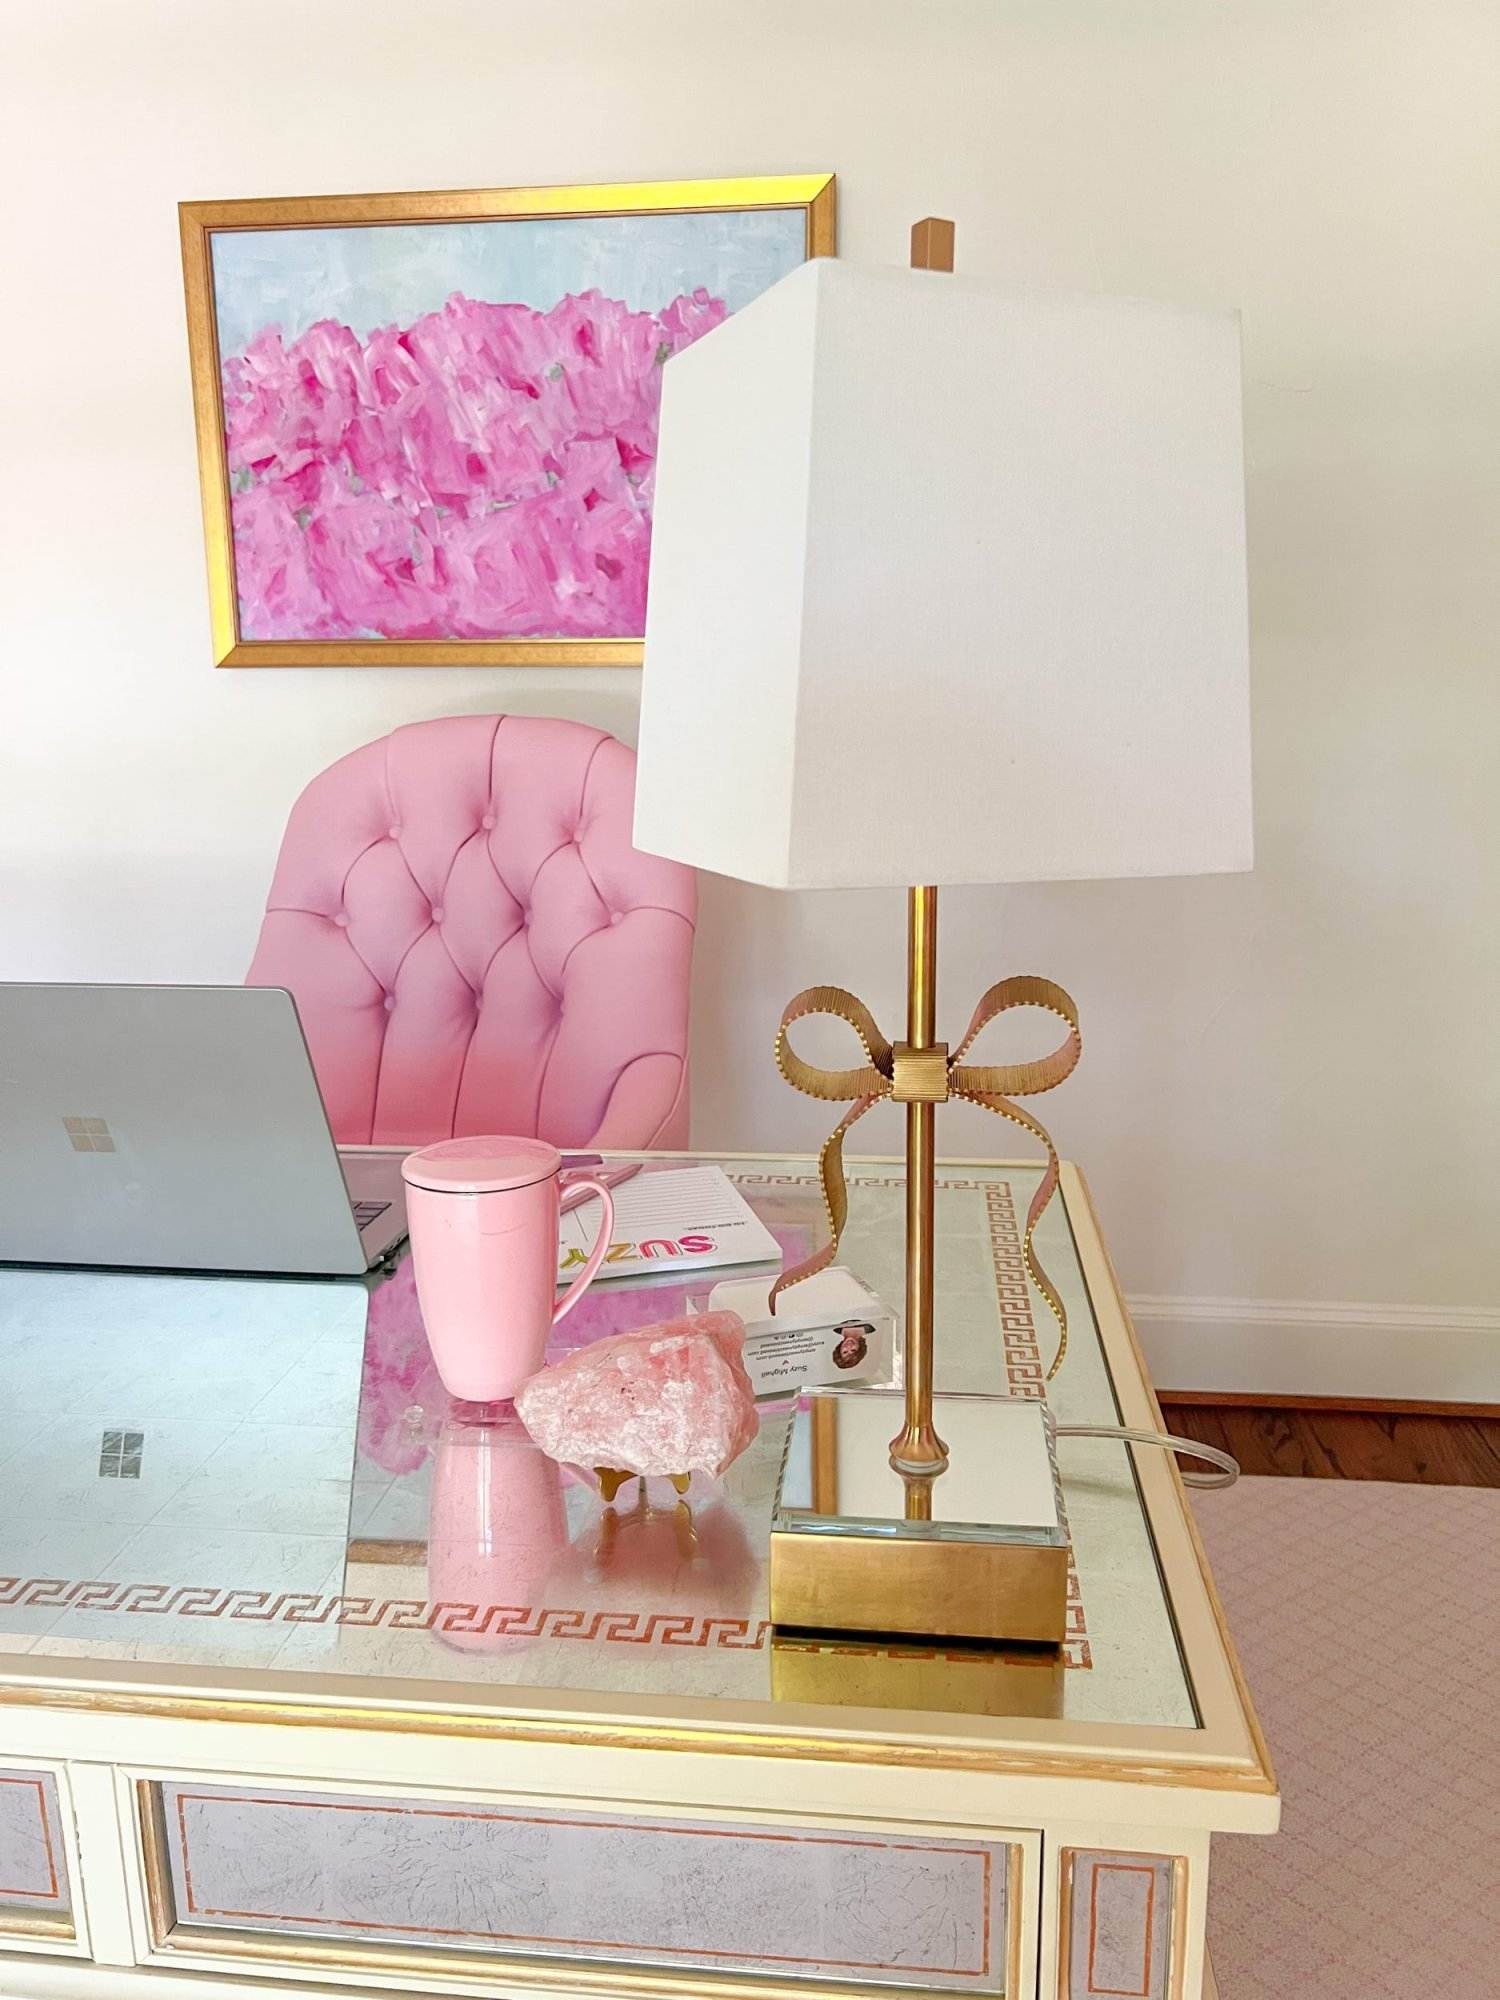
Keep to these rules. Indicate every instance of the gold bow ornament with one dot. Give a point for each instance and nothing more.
(906, 1076)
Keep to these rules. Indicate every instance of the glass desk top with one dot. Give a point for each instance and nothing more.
(245, 1473)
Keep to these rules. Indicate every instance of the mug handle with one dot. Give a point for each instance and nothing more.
(585, 1277)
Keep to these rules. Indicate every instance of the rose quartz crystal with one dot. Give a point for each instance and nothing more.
(667, 1399)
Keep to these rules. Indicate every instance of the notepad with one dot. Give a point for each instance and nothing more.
(678, 1219)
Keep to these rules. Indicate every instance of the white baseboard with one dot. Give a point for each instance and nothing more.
(1306, 1347)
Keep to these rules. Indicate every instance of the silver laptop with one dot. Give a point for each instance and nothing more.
(178, 1128)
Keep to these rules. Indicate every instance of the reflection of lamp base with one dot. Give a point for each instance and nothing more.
(970, 1680)
(979, 1551)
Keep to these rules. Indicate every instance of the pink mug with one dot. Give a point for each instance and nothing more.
(483, 1220)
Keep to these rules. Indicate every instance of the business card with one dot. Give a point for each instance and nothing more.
(830, 1329)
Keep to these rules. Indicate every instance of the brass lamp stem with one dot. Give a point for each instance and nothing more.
(918, 1448)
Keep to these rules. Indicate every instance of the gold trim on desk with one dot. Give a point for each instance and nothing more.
(151, 1831)
(559, 1975)
(980, 1754)
(13, 1925)
(1103, 1283)
(1015, 1905)
(1063, 1983)
(1177, 1948)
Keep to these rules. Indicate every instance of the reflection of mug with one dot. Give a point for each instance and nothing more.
(853, 1343)
(496, 1527)
(482, 1215)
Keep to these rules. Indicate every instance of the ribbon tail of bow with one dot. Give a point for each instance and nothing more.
(992, 1088)
(858, 1088)
(835, 1202)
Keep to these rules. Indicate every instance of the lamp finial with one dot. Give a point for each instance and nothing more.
(932, 244)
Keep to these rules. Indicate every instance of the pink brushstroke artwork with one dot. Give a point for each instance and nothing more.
(484, 473)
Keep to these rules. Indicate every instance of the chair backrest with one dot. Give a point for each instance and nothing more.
(475, 945)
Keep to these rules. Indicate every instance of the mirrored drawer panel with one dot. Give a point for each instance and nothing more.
(269, 1870)
(1118, 1934)
(35, 1899)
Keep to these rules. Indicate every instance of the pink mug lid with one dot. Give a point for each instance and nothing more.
(481, 1165)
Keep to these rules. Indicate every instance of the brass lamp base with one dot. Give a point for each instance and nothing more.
(977, 1552)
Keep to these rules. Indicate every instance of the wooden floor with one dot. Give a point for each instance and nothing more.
(1346, 1444)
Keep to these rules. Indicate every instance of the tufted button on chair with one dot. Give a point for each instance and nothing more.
(474, 944)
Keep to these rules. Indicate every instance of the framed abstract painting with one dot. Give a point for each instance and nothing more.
(427, 422)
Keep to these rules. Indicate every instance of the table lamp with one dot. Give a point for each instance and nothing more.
(947, 586)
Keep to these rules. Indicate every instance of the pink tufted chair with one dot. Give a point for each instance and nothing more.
(474, 944)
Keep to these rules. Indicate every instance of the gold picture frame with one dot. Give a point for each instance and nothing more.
(204, 223)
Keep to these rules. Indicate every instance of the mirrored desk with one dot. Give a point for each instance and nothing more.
(308, 1671)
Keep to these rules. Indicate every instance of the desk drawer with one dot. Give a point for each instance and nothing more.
(36, 1898)
(1119, 1925)
(527, 1891)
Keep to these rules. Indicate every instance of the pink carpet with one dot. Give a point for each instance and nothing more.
(1367, 1617)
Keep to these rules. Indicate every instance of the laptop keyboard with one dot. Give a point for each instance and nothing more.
(366, 1212)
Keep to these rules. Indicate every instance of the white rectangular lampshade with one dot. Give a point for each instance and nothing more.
(948, 585)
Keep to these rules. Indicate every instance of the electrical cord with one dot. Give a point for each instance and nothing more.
(1228, 1468)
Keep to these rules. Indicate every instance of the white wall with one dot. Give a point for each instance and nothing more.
(1290, 1083)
